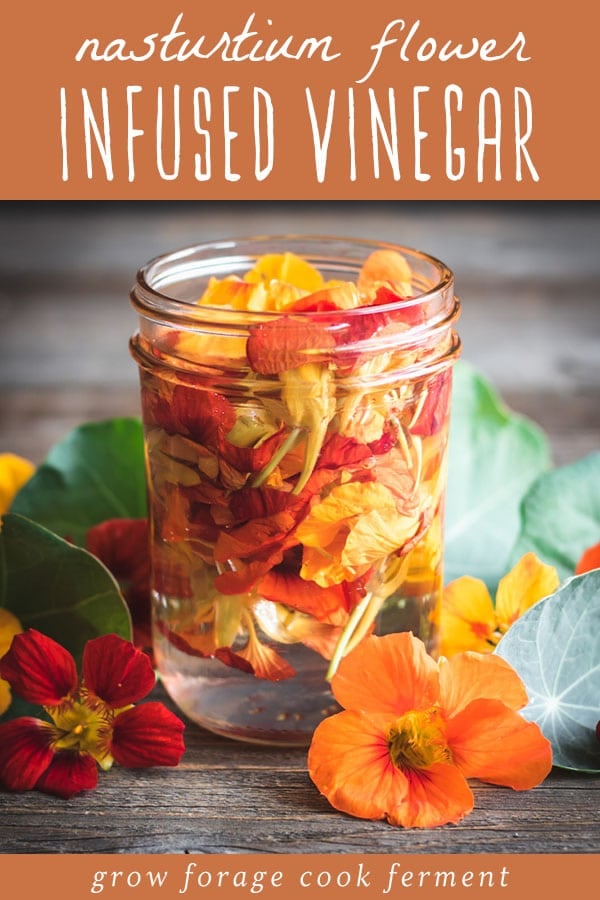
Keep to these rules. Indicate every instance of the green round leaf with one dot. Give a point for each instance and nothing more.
(494, 456)
(95, 473)
(561, 515)
(555, 648)
(61, 590)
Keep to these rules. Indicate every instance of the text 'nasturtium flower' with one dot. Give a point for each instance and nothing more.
(14, 473)
(9, 626)
(93, 719)
(412, 731)
(469, 620)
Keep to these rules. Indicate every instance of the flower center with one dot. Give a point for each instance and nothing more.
(484, 632)
(83, 727)
(417, 740)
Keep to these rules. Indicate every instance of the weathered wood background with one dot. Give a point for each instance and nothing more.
(529, 279)
(528, 276)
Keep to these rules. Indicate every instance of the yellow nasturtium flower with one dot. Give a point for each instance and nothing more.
(14, 472)
(9, 626)
(469, 620)
(287, 268)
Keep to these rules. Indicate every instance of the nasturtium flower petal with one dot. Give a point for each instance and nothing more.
(204, 416)
(528, 581)
(282, 297)
(409, 314)
(123, 545)
(115, 671)
(353, 527)
(495, 744)
(434, 412)
(437, 795)
(325, 604)
(234, 293)
(472, 676)
(390, 674)
(25, 752)
(265, 661)
(69, 774)
(286, 267)
(14, 473)
(9, 627)
(289, 626)
(285, 343)
(590, 559)
(343, 452)
(340, 509)
(39, 669)
(5, 696)
(349, 762)
(341, 295)
(467, 618)
(325, 567)
(387, 266)
(377, 534)
(147, 735)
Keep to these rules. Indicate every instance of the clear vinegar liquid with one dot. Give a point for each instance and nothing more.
(237, 705)
(228, 700)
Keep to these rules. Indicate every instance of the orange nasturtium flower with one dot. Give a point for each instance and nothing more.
(469, 620)
(14, 472)
(412, 731)
(9, 626)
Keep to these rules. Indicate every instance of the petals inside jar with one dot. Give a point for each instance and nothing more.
(296, 465)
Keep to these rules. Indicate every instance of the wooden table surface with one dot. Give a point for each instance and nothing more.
(528, 276)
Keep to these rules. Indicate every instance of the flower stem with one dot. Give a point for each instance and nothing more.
(314, 443)
(371, 610)
(346, 635)
(277, 457)
(364, 613)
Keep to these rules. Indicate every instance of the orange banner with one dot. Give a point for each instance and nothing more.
(296, 877)
(313, 100)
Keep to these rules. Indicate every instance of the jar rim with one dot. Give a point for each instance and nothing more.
(147, 297)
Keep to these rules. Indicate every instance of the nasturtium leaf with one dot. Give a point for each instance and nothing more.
(61, 590)
(494, 456)
(560, 515)
(95, 473)
(19, 707)
(555, 649)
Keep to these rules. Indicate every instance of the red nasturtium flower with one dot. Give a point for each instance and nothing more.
(123, 546)
(590, 559)
(93, 719)
(412, 731)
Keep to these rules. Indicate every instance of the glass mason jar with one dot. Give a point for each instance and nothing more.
(296, 466)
